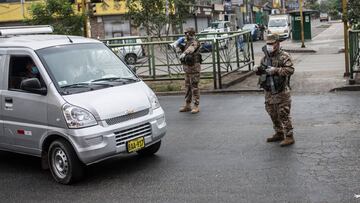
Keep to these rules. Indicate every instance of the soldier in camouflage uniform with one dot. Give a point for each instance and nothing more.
(275, 71)
(191, 59)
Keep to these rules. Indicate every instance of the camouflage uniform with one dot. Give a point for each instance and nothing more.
(278, 104)
(192, 74)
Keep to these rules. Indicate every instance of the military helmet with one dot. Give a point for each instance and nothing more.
(190, 30)
(272, 38)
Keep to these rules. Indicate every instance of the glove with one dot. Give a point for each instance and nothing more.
(255, 68)
(182, 56)
(270, 70)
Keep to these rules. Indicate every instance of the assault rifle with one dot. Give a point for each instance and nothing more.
(263, 68)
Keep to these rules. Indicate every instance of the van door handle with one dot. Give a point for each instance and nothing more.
(8, 103)
(8, 100)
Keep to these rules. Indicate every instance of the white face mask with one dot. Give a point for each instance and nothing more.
(270, 48)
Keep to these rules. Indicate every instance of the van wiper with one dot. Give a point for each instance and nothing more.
(83, 84)
(115, 79)
(76, 85)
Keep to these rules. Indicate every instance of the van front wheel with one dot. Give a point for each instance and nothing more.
(150, 150)
(64, 164)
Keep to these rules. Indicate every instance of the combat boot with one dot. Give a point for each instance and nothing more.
(185, 108)
(289, 140)
(276, 137)
(195, 109)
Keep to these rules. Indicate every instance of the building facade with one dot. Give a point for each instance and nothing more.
(108, 18)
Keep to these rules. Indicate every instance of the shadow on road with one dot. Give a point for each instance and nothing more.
(118, 167)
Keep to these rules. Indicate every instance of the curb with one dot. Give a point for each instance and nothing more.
(238, 80)
(295, 50)
(222, 91)
(346, 88)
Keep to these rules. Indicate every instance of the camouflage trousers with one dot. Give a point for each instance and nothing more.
(192, 92)
(280, 116)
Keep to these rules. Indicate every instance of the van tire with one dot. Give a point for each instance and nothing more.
(150, 150)
(131, 59)
(64, 164)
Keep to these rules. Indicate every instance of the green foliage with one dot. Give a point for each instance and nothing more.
(152, 14)
(59, 14)
(312, 4)
(354, 13)
(332, 7)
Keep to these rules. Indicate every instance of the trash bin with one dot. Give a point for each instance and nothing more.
(296, 24)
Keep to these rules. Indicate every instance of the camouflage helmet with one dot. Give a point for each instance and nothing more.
(190, 30)
(272, 38)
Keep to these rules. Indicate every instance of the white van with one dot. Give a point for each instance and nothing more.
(279, 24)
(71, 101)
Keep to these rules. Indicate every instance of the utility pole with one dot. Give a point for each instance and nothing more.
(246, 12)
(22, 7)
(283, 6)
(302, 23)
(344, 6)
(84, 12)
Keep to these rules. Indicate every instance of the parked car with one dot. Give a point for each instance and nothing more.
(279, 24)
(71, 101)
(324, 17)
(206, 44)
(219, 26)
(130, 54)
(255, 31)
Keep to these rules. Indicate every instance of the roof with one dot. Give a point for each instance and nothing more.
(36, 42)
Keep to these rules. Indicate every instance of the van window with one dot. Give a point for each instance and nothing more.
(277, 23)
(83, 63)
(20, 68)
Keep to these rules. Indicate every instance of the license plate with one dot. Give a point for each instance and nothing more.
(135, 144)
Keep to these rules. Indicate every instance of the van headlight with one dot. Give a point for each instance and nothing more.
(153, 100)
(77, 117)
(286, 31)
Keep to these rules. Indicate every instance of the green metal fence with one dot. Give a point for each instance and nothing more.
(354, 49)
(153, 59)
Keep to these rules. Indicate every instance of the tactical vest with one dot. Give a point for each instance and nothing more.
(191, 59)
(280, 82)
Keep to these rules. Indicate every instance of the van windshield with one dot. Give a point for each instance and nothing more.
(277, 23)
(76, 65)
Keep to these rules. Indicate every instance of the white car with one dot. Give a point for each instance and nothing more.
(324, 17)
(130, 54)
(279, 24)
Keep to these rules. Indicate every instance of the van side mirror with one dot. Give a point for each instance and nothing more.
(33, 85)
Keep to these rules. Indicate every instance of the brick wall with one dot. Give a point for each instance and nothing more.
(97, 27)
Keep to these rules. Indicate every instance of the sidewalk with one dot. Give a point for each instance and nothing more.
(316, 72)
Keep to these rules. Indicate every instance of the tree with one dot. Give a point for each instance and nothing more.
(152, 14)
(312, 4)
(59, 14)
(354, 13)
(324, 7)
(332, 7)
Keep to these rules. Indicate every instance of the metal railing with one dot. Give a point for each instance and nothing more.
(153, 59)
(354, 52)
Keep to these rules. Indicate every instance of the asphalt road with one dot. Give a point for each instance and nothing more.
(218, 155)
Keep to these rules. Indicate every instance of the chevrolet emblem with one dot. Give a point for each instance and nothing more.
(129, 111)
